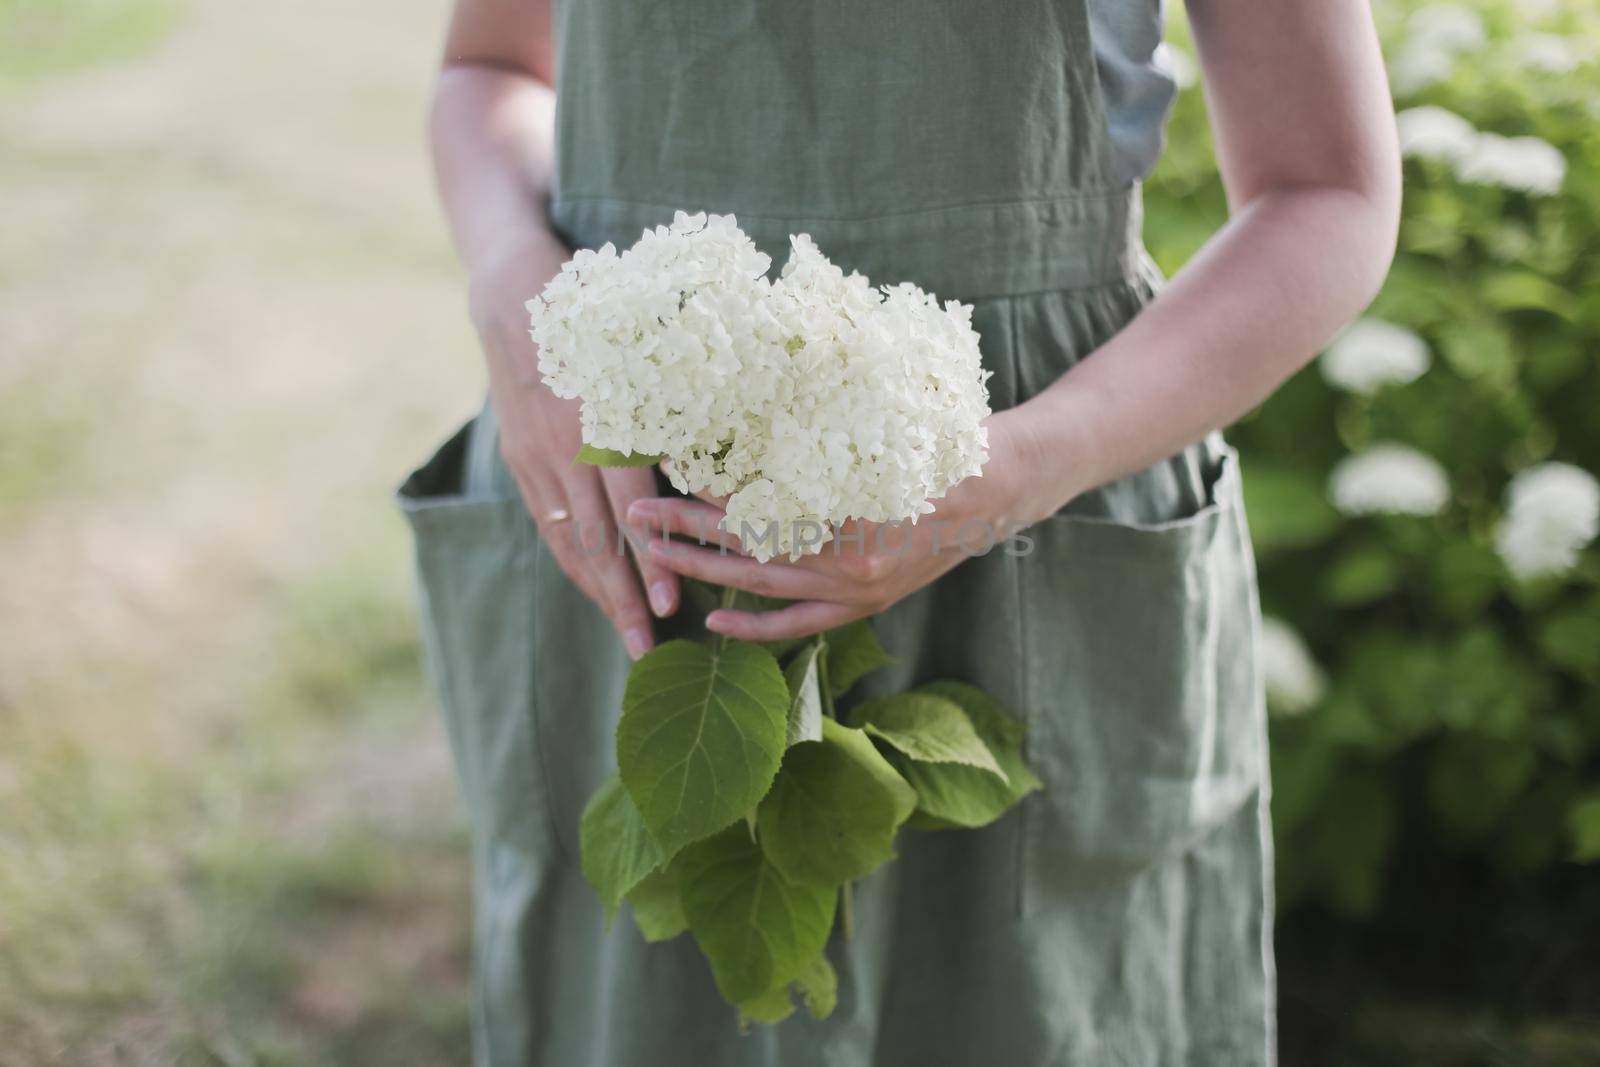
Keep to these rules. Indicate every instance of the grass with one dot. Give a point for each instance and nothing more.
(39, 38)
(229, 825)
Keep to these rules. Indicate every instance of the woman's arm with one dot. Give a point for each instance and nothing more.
(1305, 134)
(1305, 138)
(492, 132)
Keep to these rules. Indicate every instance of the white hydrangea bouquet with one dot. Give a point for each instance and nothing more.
(745, 804)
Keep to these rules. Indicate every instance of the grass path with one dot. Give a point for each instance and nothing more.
(228, 321)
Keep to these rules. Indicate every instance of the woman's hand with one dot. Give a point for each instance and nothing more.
(577, 508)
(867, 566)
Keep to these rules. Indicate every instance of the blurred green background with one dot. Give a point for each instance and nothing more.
(229, 319)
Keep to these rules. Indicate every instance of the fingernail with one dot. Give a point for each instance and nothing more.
(639, 511)
(661, 598)
(637, 642)
(716, 621)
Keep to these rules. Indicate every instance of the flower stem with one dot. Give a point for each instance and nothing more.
(847, 910)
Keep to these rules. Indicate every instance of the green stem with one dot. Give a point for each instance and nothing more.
(730, 595)
(822, 678)
(847, 910)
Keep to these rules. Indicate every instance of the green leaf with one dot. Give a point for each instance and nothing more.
(1361, 576)
(999, 730)
(658, 907)
(926, 727)
(605, 457)
(1583, 822)
(832, 814)
(701, 736)
(769, 1008)
(1514, 290)
(617, 850)
(1287, 509)
(758, 929)
(853, 650)
(820, 986)
(1571, 640)
(951, 795)
(805, 693)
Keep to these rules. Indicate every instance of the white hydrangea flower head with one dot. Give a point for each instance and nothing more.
(1527, 164)
(1436, 36)
(670, 344)
(1294, 681)
(1415, 67)
(1548, 52)
(1435, 133)
(1372, 353)
(1185, 72)
(1389, 478)
(807, 402)
(1447, 27)
(881, 414)
(1552, 514)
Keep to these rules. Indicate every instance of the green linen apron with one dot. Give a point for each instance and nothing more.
(1122, 915)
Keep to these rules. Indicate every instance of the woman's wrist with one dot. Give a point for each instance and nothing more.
(1056, 450)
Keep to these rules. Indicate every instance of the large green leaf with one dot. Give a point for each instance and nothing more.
(617, 850)
(805, 693)
(952, 795)
(606, 457)
(701, 736)
(832, 813)
(926, 727)
(853, 650)
(658, 907)
(758, 929)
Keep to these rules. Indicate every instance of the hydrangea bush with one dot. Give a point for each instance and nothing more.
(1424, 500)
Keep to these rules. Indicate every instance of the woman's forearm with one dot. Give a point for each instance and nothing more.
(491, 131)
(1250, 309)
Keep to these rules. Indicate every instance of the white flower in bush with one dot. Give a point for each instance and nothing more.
(1548, 52)
(1372, 353)
(1293, 680)
(1552, 513)
(1436, 36)
(1391, 478)
(1447, 27)
(1523, 163)
(807, 401)
(1435, 133)
(1181, 65)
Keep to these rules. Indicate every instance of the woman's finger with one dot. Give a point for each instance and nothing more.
(623, 486)
(683, 516)
(796, 620)
(593, 543)
(775, 578)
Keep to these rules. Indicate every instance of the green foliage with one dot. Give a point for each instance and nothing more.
(605, 457)
(657, 906)
(805, 692)
(832, 814)
(926, 728)
(702, 732)
(853, 651)
(618, 851)
(743, 809)
(1461, 716)
(759, 929)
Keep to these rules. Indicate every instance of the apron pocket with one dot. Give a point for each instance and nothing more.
(477, 591)
(1143, 703)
